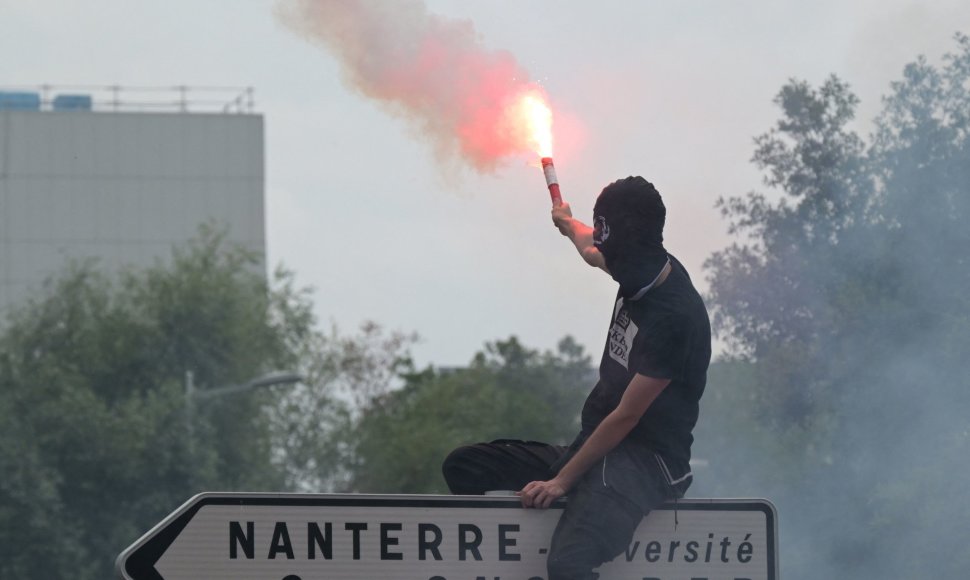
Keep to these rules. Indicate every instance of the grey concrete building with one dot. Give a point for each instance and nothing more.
(120, 186)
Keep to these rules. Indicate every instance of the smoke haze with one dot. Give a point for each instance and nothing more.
(849, 410)
(431, 70)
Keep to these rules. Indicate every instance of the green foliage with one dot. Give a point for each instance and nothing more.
(508, 391)
(97, 444)
(316, 424)
(846, 302)
(100, 438)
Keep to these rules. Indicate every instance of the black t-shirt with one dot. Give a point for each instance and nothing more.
(665, 334)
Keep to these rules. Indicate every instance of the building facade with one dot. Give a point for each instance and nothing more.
(121, 187)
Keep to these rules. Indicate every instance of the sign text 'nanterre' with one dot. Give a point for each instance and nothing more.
(317, 537)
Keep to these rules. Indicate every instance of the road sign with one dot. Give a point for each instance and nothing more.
(243, 536)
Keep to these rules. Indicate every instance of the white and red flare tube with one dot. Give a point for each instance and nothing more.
(549, 170)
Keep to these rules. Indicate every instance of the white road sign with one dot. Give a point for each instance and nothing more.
(243, 536)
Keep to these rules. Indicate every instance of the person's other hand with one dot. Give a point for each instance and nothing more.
(541, 494)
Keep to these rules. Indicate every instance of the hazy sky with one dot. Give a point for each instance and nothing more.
(358, 208)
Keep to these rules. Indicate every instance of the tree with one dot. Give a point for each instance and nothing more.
(316, 423)
(508, 391)
(845, 303)
(97, 442)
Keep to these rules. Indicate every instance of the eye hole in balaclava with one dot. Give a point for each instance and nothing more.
(601, 230)
(628, 222)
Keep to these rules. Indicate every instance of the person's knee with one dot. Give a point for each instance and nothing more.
(595, 528)
(458, 473)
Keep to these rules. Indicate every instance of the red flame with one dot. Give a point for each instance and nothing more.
(470, 102)
(534, 116)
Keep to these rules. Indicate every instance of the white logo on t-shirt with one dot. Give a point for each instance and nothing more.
(621, 335)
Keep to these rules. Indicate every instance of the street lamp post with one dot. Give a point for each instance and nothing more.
(192, 394)
(268, 380)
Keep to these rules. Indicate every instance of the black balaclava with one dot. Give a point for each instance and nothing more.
(628, 222)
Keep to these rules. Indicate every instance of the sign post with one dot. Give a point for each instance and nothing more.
(261, 536)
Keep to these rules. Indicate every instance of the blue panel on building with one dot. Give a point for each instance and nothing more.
(19, 101)
(72, 103)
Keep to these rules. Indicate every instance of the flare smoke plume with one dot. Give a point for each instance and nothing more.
(434, 71)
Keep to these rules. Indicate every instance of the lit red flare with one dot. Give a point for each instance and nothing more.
(533, 115)
(536, 118)
(551, 180)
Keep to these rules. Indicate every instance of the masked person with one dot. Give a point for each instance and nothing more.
(633, 451)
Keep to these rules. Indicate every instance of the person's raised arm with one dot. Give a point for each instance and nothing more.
(580, 234)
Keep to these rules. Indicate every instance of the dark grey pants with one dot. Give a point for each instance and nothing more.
(597, 524)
